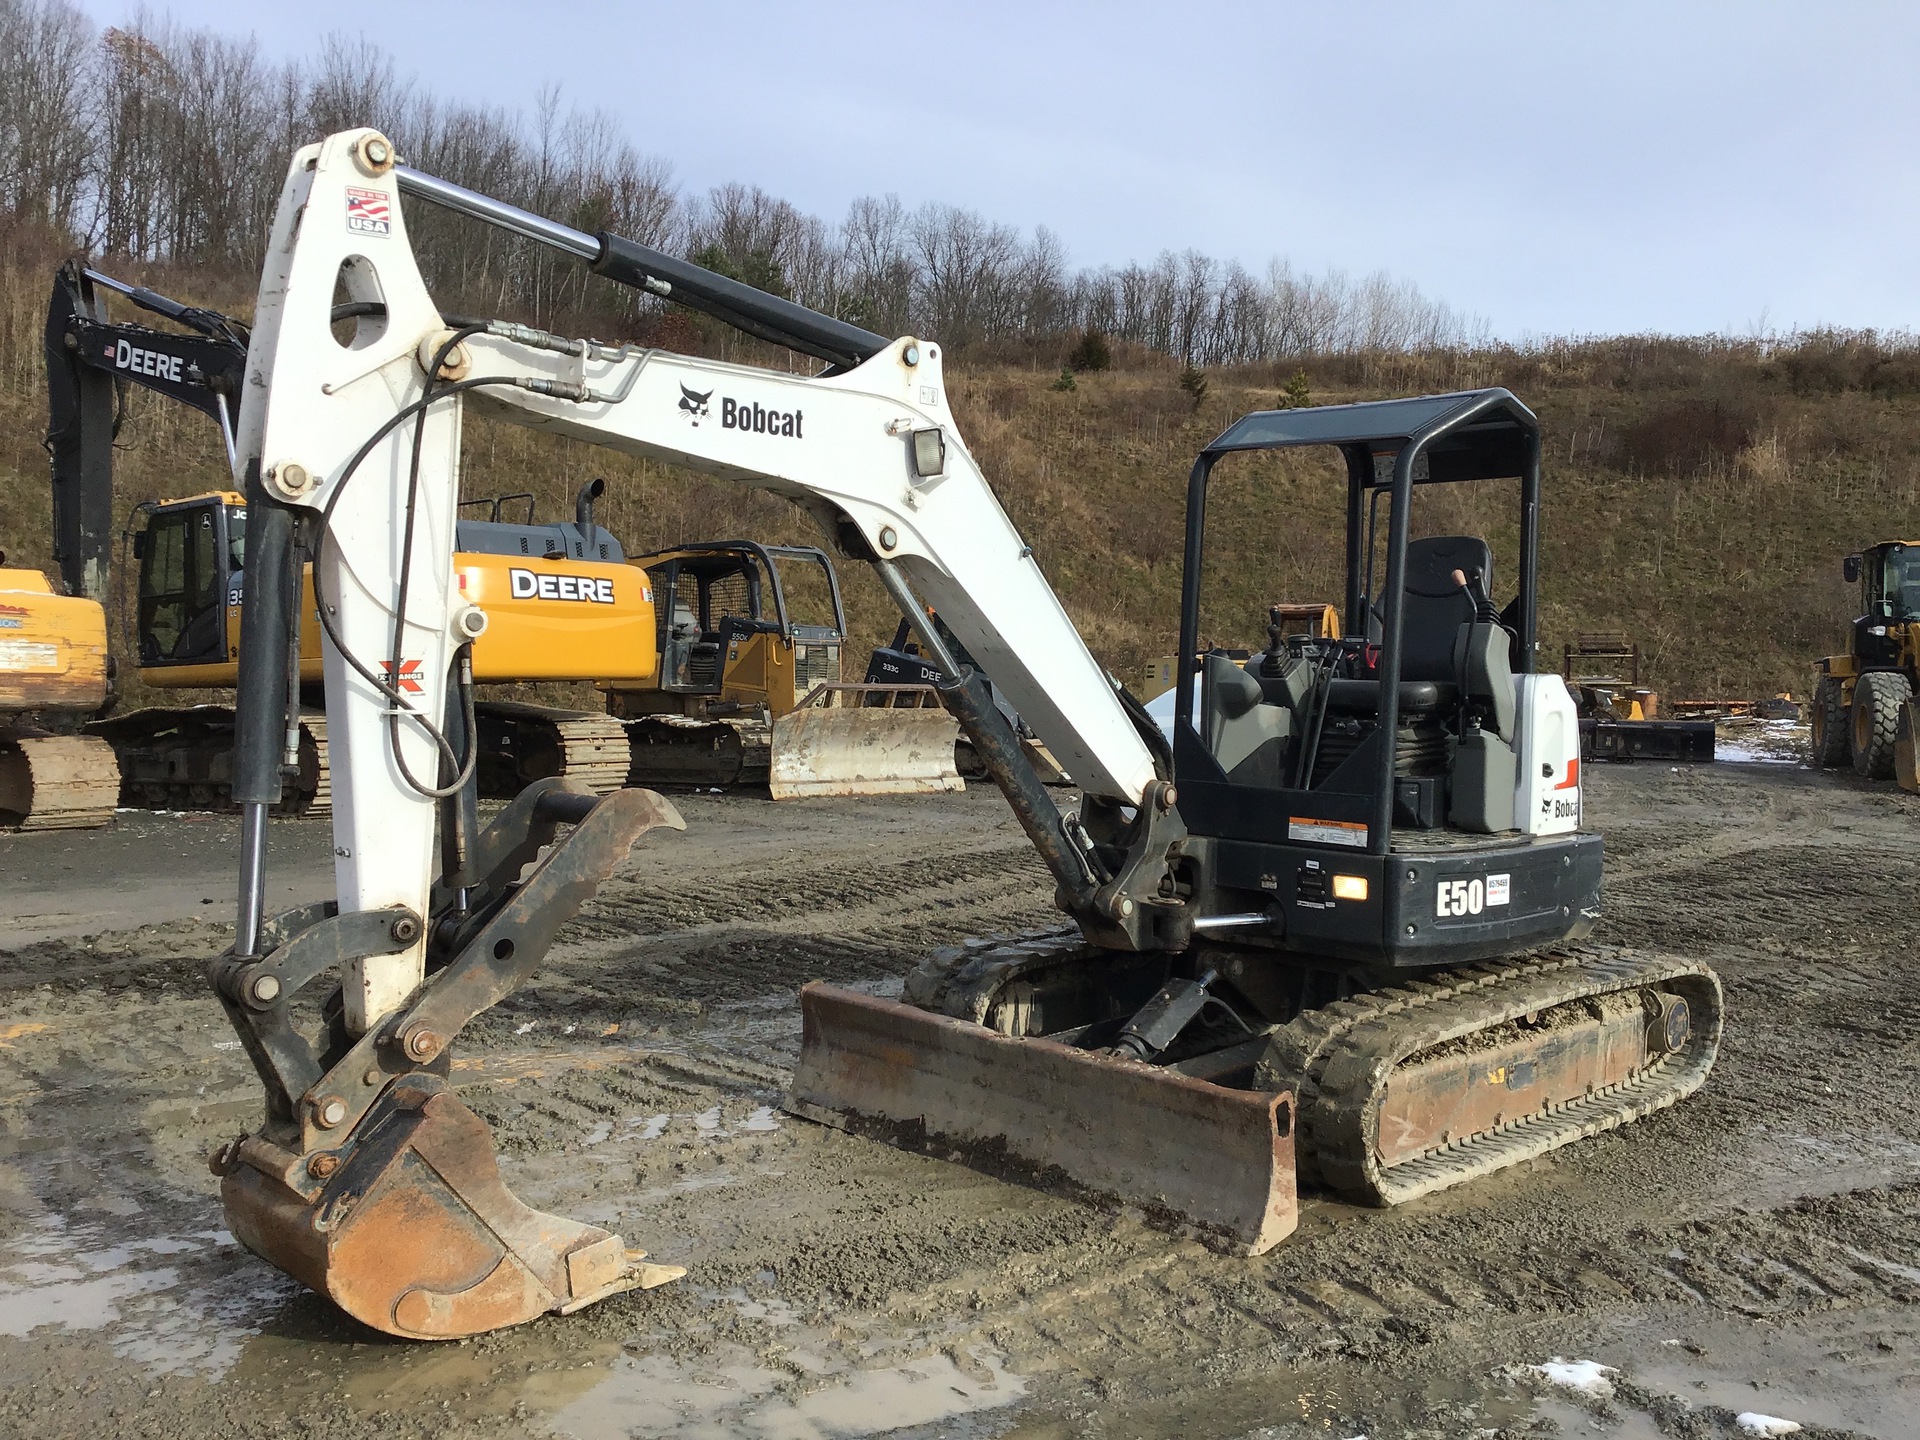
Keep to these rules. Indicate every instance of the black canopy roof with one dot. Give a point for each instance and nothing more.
(1468, 435)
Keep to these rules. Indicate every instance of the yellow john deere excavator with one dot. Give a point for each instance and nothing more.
(566, 602)
(1334, 922)
(53, 672)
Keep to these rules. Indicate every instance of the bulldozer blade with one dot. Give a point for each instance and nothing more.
(1204, 1157)
(411, 1230)
(863, 750)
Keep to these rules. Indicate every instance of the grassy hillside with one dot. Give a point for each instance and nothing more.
(1698, 494)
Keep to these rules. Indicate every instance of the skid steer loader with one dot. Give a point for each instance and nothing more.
(1333, 921)
(1862, 710)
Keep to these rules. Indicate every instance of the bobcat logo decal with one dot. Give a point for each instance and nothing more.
(693, 404)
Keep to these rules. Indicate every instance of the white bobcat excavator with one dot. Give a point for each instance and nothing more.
(1340, 939)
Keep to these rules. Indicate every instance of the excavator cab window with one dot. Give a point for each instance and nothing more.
(183, 583)
(236, 540)
(809, 594)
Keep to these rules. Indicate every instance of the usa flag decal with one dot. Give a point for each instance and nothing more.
(368, 212)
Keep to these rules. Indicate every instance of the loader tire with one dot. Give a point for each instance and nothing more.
(1877, 698)
(1828, 749)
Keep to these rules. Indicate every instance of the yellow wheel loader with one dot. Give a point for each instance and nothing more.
(1334, 923)
(745, 694)
(1862, 696)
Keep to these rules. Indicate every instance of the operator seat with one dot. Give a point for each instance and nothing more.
(1434, 606)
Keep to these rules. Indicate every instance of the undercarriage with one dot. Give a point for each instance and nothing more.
(1385, 1087)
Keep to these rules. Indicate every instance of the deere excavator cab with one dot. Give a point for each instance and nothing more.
(191, 553)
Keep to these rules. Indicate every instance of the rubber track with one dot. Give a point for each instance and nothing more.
(1340, 1056)
(963, 980)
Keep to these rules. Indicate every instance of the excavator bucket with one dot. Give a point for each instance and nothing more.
(864, 740)
(373, 1183)
(1214, 1160)
(416, 1234)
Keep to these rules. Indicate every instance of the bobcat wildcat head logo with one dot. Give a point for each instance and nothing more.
(694, 404)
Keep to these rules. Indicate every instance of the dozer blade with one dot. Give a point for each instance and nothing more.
(1216, 1160)
(415, 1233)
(862, 749)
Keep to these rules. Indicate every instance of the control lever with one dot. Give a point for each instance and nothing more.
(1474, 584)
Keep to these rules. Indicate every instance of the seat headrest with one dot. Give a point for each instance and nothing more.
(1431, 562)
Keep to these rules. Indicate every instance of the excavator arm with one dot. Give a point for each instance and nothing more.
(369, 1179)
(869, 448)
(89, 359)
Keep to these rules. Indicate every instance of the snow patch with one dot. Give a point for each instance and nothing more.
(1589, 1377)
(1752, 1422)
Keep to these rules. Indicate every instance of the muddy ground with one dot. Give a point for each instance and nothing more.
(1755, 1249)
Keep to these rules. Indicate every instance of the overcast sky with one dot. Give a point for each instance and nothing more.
(1553, 167)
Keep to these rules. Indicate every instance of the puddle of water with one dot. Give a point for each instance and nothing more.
(1571, 1420)
(1327, 1403)
(183, 1303)
(658, 1396)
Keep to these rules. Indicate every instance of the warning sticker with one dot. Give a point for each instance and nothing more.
(28, 655)
(368, 212)
(1328, 832)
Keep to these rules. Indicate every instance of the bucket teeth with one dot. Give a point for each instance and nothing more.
(415, 1233)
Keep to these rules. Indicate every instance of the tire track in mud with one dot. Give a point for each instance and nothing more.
(622, 909)
(687, 947)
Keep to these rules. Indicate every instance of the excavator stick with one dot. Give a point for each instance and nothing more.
(372, 1183)
(864, 740)
(1215, 1160)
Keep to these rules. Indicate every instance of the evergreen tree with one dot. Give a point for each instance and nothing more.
(1091, 353)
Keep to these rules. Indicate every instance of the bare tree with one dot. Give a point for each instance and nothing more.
(158, 141)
